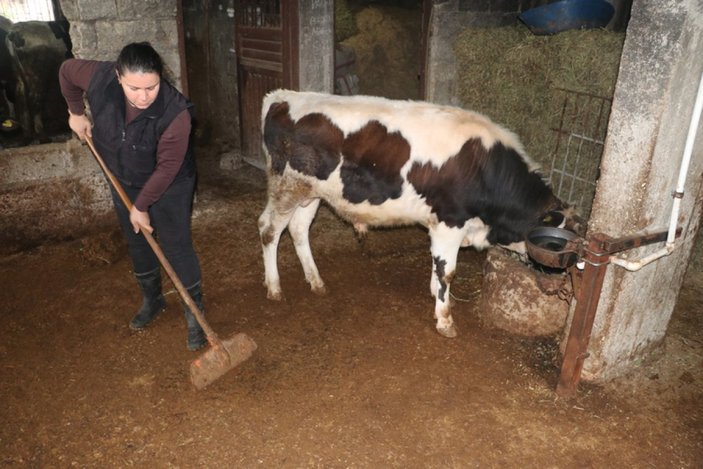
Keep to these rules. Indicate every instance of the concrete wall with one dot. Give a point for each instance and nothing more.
(661, 64)
(49, 193)
(99, 29)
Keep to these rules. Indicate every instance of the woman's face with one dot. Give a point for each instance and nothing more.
(140, 89)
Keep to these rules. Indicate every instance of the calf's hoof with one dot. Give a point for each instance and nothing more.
(274, 295)
(319, 289)
(449, 331)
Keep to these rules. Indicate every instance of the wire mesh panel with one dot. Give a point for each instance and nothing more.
(581, 134)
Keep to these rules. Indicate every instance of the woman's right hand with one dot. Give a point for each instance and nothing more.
(81, 125)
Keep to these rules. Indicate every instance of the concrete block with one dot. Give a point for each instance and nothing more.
(137, 9)
(84, 39)
(49, 193)
(69, 8)
(91, 10)
(520, 299)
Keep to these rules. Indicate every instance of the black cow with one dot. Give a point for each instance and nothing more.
(36, 50)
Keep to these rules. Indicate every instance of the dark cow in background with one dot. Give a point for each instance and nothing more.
(379, 162)
(8, 79)
(36, 50)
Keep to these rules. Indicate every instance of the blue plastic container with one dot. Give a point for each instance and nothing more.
(568, 14)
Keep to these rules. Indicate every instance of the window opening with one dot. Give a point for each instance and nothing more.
(27, 10)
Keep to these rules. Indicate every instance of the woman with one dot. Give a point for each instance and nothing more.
(141, 127)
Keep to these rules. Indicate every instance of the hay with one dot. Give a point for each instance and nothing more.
(344, 24)
(510, 75)
(386, 48)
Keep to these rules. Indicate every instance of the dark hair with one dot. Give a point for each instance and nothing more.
(139, 57)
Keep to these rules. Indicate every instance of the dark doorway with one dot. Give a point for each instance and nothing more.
(385, 41)
(211, 71)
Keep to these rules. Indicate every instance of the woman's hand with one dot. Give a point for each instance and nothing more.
(140, 220)
(80, 124)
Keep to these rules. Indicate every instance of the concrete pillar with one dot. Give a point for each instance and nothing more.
(661, 64)
(440, 66)
(316, 51)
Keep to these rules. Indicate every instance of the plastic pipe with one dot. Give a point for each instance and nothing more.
(638, 264)
(685, 161)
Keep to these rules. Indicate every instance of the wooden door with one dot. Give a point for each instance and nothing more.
(267, 59)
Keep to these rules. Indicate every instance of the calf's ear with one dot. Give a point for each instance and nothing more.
(574, 222)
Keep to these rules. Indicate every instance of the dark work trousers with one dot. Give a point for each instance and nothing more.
(170, 219)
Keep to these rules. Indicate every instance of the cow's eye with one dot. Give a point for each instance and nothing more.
(553, 219)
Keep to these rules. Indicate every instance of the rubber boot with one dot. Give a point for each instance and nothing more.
(154, 303)
(196, 335)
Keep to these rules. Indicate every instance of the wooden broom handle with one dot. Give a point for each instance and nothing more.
(211, 335)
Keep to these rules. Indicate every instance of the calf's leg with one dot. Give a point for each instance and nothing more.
(299, 228)
(445, 249)
(272, 222)
(434, 283)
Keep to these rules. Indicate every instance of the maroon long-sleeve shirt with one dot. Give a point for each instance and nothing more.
(75, 76)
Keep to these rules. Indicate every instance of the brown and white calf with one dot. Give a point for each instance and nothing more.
(379, 162)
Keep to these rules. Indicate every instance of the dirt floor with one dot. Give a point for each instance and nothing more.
(356, 378)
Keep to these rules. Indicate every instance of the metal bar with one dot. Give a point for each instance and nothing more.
(582, 93)
(575, 353)
(563, 165)
(579, 136)
(556, 149)
(629, 242)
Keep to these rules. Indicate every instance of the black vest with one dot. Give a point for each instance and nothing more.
(130, 151)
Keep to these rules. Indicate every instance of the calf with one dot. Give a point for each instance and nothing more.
(379, 162)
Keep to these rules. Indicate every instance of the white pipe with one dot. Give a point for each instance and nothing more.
(678, 193)
(685, 160)
(638, 264)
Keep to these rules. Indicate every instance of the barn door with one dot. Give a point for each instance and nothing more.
(267, 59)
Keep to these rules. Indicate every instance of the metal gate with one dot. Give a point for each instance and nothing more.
(267, 59)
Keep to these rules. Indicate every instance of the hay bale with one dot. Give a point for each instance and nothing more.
(344, 24)
(510, 75)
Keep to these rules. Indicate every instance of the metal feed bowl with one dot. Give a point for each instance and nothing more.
(553, 247)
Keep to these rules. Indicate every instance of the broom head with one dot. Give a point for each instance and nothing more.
(220, 358)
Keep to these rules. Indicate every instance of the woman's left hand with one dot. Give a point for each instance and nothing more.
(140, 220)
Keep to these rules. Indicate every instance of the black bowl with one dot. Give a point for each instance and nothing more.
(553, 247)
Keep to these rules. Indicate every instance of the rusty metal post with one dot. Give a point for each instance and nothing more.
(596, 258)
